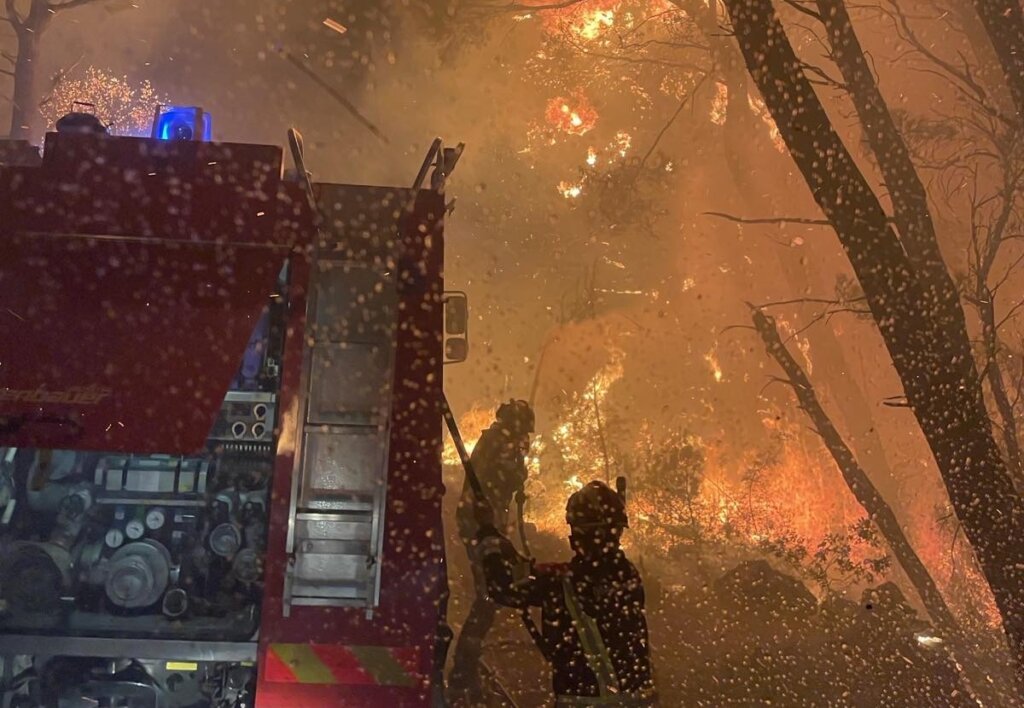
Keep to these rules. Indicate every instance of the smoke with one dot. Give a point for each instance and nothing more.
(634, 264)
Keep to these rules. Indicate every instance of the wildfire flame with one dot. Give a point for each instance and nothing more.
(570, 190)
(573, 116)
(719, 103)
(716, 370)
(472, 424)
(757, 105)
(584, 21)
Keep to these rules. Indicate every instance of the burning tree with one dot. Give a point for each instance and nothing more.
(126, 108)
(29, 20)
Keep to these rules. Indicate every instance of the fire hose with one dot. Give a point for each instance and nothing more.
(474, 480)
(460, 446)
(478, 494)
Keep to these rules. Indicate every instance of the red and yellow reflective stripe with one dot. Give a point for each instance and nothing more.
(342, 664)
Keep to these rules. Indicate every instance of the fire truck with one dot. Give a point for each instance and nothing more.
(220, 420)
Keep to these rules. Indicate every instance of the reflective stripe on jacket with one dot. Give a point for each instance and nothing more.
(598, 660)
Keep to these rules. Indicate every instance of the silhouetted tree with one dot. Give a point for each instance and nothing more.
(29, 25)
(908, 289)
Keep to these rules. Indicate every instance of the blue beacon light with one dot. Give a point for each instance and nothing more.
(183, 123)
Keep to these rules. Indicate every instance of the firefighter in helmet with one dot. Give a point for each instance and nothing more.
(499, 459)
(594, 629)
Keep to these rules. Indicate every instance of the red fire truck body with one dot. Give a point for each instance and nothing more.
(220, 480)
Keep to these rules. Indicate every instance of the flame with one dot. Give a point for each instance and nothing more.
(573, 116)
(570, 190)
(787, 497)
(716, 370)
(623, 141)
(590, 24)
(575, 447)
(591, 156)
(574, 483)
(757, 105)
(584, 21)
(719, 103)
(471, 425)
(785, 501)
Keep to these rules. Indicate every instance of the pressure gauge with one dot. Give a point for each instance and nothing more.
(114, 538)
(134, 529)
(155, 519)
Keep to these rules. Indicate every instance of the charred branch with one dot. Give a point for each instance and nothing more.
(511, 6)
(769, 219)
(867, 495)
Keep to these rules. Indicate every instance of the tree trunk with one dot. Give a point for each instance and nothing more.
(1004, 24)
(25, 95)
(878, 510)
(909, 198)
(994, 374)
(745, 132)
(28, 30)
(930, 350)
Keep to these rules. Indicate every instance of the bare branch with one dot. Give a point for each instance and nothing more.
(805, 10)
(16, 20)
(809, 301)
(769, 220)
(508, 7)
(664, 129)
(70, 5)
(856, 478)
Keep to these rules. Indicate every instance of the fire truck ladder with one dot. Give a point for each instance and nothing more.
(335, 525)
(338, 487)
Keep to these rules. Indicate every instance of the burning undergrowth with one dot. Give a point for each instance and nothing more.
(698, 508)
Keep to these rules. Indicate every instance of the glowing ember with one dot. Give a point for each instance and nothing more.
(623, 141)
(591, 156)
(758, 106)
(574, 116)
(570, 190)
(335, 25)
(719, 103)
(712, 359)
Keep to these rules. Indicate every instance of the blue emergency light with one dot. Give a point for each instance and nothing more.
(182, 123)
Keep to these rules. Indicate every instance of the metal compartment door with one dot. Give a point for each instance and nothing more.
(123, 344)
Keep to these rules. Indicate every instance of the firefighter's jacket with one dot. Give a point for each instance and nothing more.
(499, 462)
(593, 626)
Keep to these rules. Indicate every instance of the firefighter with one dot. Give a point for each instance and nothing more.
(594, 628)
(499, 459)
